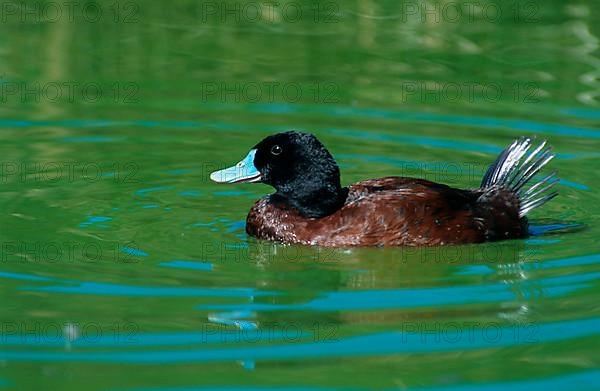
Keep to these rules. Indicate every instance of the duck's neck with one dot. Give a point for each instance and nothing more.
(316, 202)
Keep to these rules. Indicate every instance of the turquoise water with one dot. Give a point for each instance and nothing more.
(123, 267)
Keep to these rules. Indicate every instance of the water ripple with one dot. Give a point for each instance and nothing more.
(384, 343)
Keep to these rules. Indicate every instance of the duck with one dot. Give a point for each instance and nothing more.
(311, 207)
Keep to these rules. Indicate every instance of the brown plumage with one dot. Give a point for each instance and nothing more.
(310, 207)
(394, 211)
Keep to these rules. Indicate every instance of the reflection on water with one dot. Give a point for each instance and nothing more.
(119, 254)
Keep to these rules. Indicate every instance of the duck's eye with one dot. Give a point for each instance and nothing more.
(276, 150)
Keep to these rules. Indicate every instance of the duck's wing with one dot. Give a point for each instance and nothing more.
(398, 211)
(393, 184)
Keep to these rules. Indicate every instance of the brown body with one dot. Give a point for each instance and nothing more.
(395, 211)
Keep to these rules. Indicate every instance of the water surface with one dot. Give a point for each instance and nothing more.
(124, 268)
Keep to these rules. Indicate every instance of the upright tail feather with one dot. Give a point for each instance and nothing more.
(514, 170)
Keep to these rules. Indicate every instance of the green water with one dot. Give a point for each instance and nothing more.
(123, 267)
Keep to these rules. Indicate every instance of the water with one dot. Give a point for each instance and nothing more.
(124, 268)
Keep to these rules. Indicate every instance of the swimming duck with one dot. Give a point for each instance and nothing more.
(311, 207)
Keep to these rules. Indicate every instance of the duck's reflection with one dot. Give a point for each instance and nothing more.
(390, 285)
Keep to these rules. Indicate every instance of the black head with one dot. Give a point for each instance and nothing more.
(300, 168)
